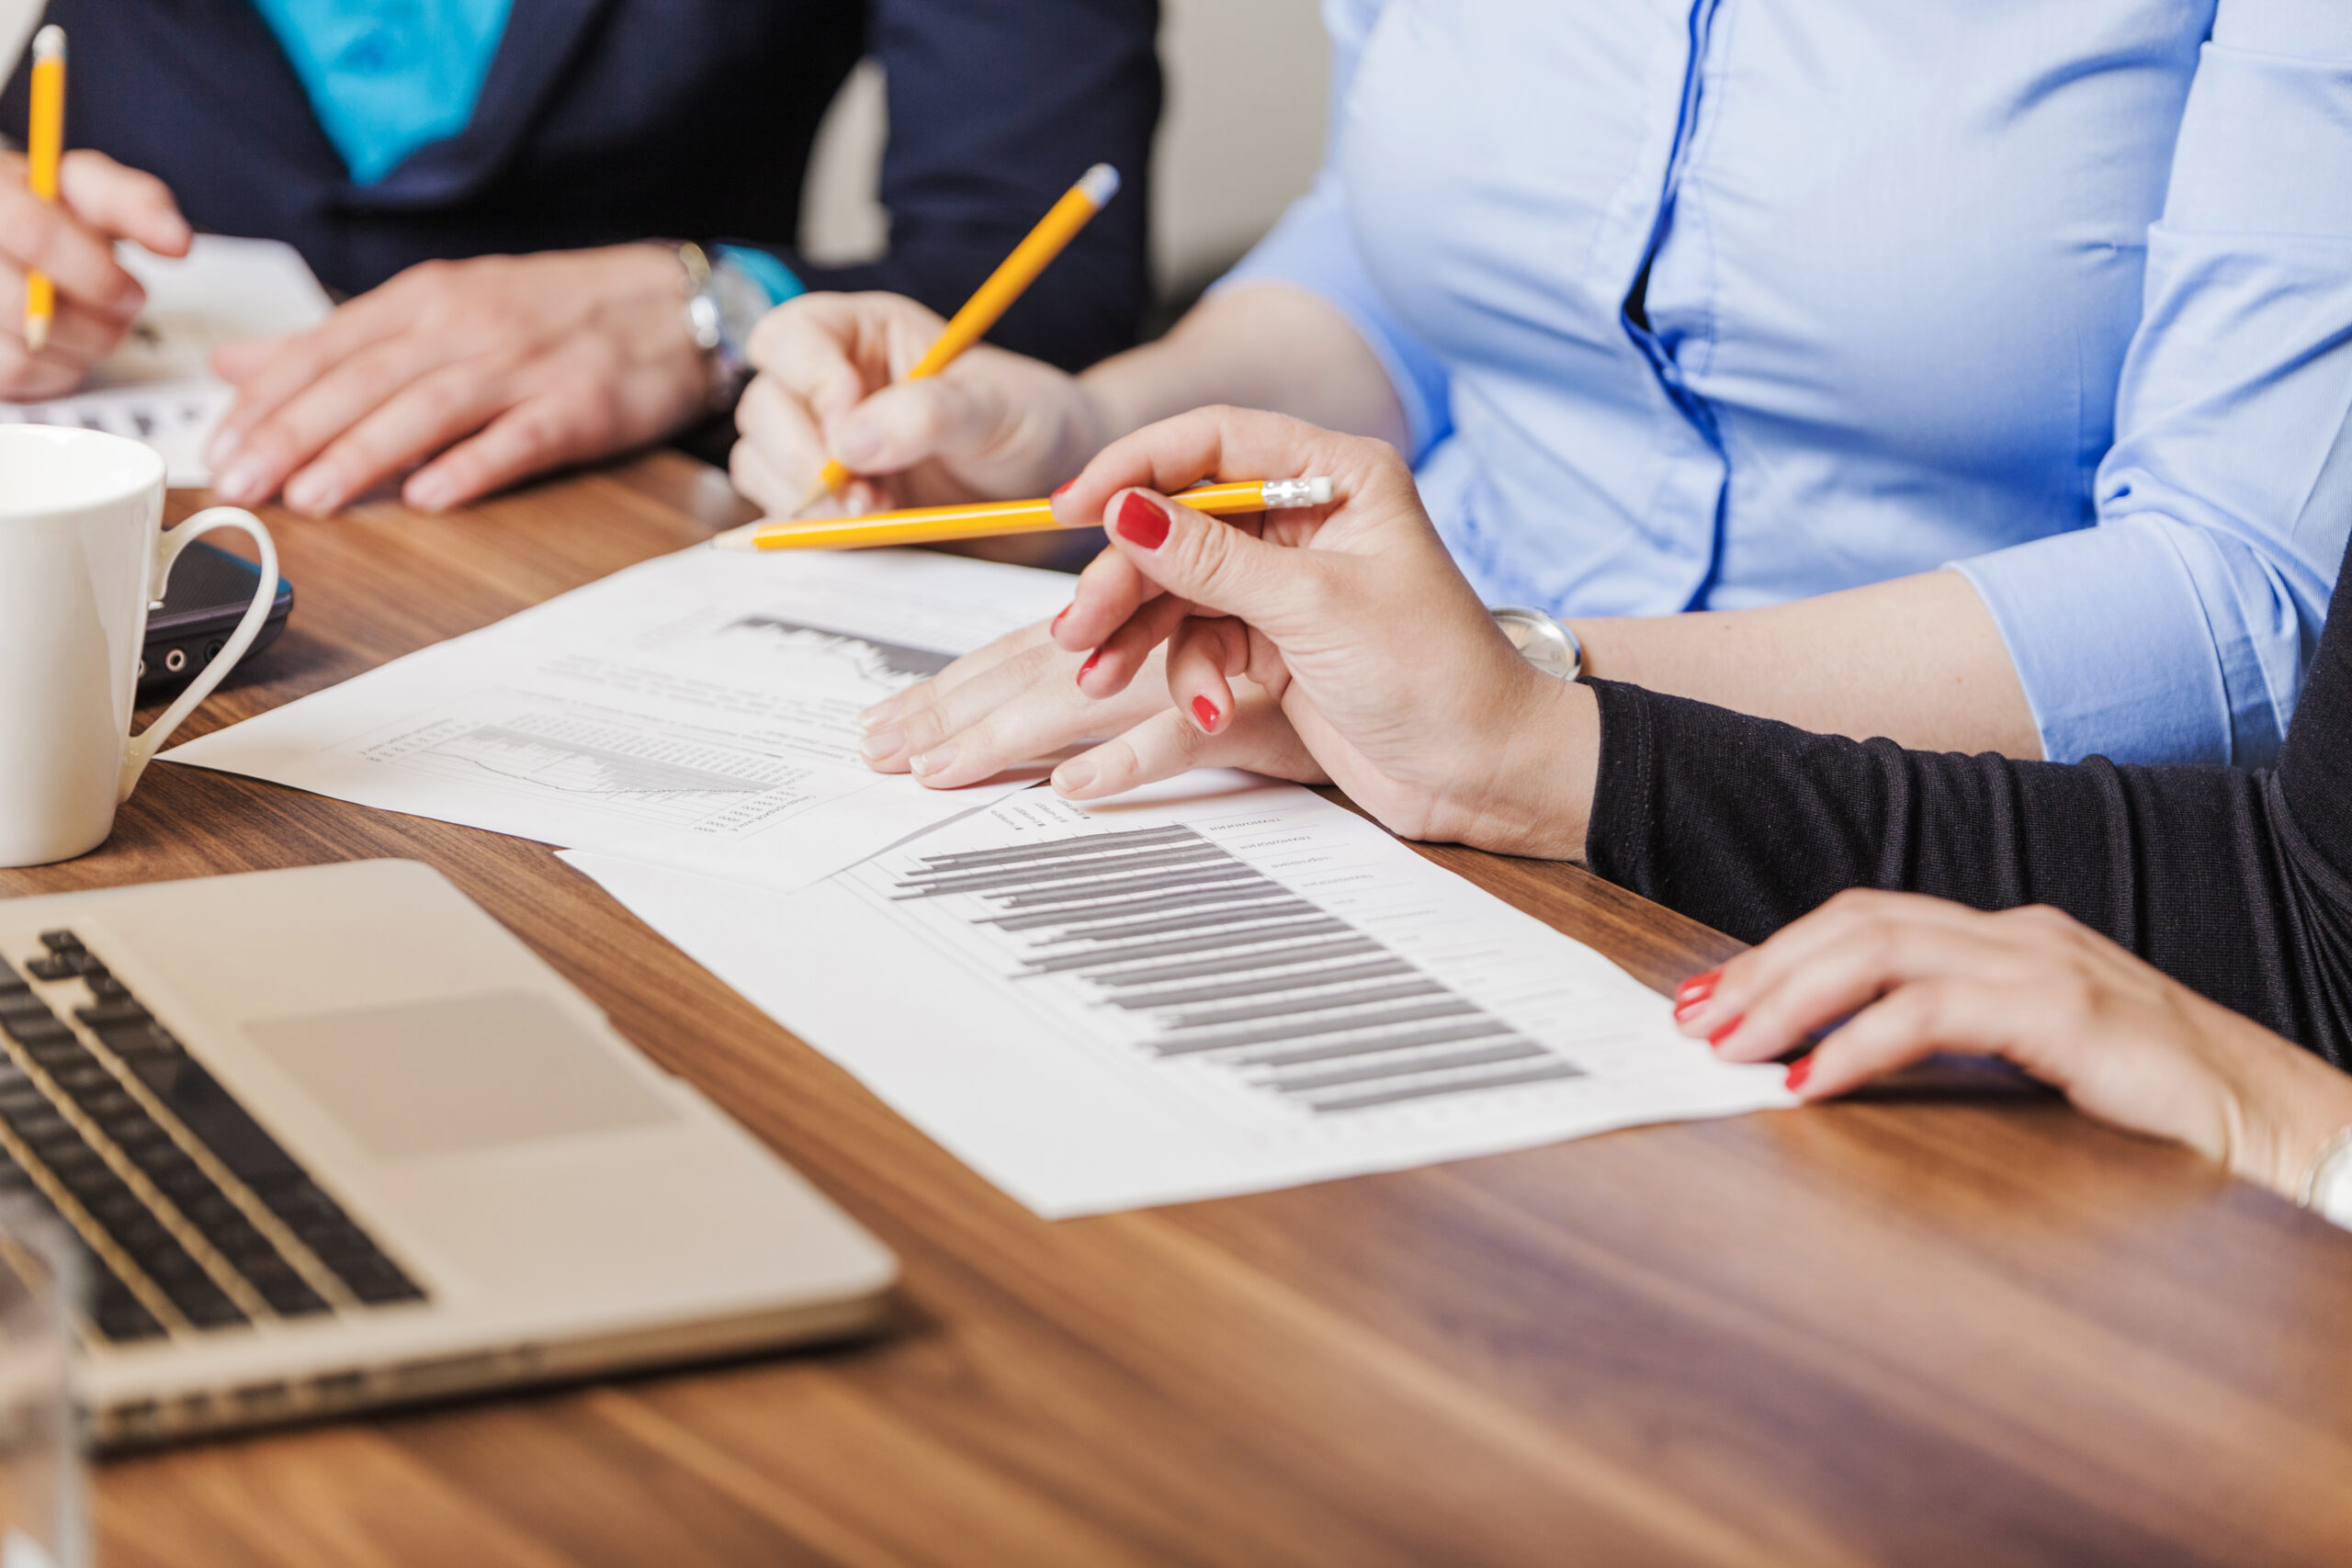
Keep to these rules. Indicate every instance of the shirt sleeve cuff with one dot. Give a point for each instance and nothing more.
(2125, 652)
(776, 280)
(1313, 249)
(1618, 832)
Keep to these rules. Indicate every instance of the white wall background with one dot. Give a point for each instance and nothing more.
(1240, 138)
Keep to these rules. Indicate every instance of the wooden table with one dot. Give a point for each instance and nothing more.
(1899, 1332)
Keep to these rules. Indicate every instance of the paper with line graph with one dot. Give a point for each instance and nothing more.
(698, 710)
(1216, 986)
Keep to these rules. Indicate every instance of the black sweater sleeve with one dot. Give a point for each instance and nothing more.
(996, 107)
(2236, 881)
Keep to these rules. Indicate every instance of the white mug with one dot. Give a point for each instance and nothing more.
(83, 553)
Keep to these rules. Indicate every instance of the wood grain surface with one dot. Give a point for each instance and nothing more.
(1918, 1330)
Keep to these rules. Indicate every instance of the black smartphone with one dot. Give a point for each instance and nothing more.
(204, 600)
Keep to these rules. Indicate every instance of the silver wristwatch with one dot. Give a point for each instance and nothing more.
(723, 304)
(1542, 641)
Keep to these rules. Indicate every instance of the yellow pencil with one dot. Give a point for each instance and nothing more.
(44, 146)
(1057, 228)
(982, 519)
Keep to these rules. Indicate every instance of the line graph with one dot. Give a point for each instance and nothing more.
(880, 663)
(647, 772)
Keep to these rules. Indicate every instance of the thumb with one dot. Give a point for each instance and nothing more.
(1284, 591)
(913, 421)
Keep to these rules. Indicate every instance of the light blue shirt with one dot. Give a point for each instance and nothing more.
(2057, 291)
(386, 76)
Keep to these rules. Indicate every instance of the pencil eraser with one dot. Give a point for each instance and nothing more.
(1100, 183)
(50, 44)
(1318, 492)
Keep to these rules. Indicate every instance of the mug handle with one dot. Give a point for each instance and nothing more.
(139, 750)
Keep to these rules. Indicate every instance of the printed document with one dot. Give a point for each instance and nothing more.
(158, 385)
(698, 710)
(1215, 985)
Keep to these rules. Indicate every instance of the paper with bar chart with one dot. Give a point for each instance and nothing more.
(698, 710)
(1216, 986)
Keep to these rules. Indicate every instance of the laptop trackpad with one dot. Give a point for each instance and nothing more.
(463, 1073)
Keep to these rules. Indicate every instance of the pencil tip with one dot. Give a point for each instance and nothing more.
(36, 334)
(743, 538)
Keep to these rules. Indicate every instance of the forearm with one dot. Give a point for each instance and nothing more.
(1918, 659)
(1264, 346)
(1747, 825)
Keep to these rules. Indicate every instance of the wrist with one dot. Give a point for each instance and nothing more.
(1090, 423)
(1535, 797)
(2320, 1109)
(2289, 1104)
(1119, 391)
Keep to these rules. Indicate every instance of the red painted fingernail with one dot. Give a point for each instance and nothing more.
(1060, 616)
(1719, 1036)
(1141, 523)
(1205, 711)
(1799, 1070)
(1696, 989)
(1063, 488)
(1091, 660)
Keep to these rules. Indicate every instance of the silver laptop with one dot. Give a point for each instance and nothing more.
(334, 1138)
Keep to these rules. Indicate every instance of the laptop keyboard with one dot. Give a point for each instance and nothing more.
(194, 1218)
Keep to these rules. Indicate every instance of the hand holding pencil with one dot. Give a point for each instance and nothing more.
(65, 238)
(914, 405)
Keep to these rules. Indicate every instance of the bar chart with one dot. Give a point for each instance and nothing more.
(1223, 965)
(1217, 985)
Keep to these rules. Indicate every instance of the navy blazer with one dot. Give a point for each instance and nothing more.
(607, 121)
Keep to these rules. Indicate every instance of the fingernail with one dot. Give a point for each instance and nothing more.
(1056, 624)
(430, 492)
(310, 492)
(1205, 711)
(1091, 660)
(882, 743)
(1799, 1070)
(222, 447)
(857, 445)
(1073, 775)
(1696, 989)
(243, 483)
(935, 760)
(881, 710)
(1063, 488)
(1716, 1040)
(1141, 523)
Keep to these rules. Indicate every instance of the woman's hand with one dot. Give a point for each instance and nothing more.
(1911, 975)
(99, 202)
(484, 371)
(1019, 698)
(831, 384)
(1335, 642)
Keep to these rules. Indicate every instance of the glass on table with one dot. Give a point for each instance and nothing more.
(44, 1520)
